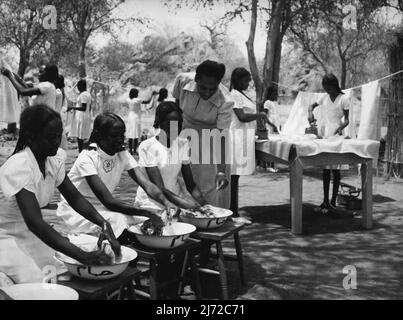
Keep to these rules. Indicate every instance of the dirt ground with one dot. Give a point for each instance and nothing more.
(280, 265)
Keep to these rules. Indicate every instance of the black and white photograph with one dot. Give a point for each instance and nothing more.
(201, 154)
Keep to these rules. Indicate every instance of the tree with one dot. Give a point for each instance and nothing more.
(21, 27)
(87, 17)
(334, 47)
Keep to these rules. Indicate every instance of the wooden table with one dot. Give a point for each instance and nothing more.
(297, 164)
(216, 236)
(156, 256)
(99, 289)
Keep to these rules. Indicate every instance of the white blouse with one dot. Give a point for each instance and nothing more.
(169, 161)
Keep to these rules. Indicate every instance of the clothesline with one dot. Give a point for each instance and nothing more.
(384, 78)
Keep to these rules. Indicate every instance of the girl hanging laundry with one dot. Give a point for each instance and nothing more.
(27, 181)
(133, 131)
(44, 92)
(335, 118)
(96, 174)
(81, 125)
(166, 158)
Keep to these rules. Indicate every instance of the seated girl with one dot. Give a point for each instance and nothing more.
(165, 158)
(27, 181)
(96, 174)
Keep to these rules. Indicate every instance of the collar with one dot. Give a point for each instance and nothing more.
(35, 165)
(101, 152)
(216, 99)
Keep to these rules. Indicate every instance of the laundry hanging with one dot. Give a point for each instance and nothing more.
(10, 108)
(370, 127)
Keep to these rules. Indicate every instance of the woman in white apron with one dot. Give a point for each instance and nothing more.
(335, 118)
(242, 129)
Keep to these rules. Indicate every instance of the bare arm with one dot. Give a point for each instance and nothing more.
(155, 177)
(32, 215)
(345, 123)
(311, 108)
(21, 89)
(106, 198)
(191, 186)
(82, 108)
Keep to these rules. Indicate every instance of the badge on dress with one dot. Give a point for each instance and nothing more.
(108, 165)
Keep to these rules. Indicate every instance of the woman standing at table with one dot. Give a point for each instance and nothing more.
(205, 107)
(243, 128)
(335, 107)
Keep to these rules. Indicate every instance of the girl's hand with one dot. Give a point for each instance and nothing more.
(107, 234)
(221, 181)
(338, 132)
(263, 117)
(5, 72)
(157, 220)
(172, 209)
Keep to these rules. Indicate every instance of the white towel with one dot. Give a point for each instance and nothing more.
(370, 128)
(10, 107)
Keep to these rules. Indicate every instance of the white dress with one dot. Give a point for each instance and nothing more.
(109, 169)
(169, 161)
(10, 108)
(331, 114)
(81, 125)
(47, 96)
(242, 137)
(133, 127)
(22, 254)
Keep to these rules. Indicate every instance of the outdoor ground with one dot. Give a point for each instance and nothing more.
(280, 265)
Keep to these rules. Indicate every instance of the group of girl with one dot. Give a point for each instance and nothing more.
(30, 176)
(50, 91)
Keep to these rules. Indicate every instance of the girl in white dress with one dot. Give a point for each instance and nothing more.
(28, 180)
(81, 125)
(97, 172)
(335, 118)
(42, 93)
(167, 160)
(243, 127)
(133, 131)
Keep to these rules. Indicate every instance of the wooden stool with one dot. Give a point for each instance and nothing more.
(154, 257)
(105, 289)
(216, 236)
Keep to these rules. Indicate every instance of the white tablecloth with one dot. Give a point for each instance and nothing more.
(280, 146)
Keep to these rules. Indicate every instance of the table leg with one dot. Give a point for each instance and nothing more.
(183, 273)
(366, 180)
(223, 273)
(296, 175)
(195, 274)
(153, 280)
(238, 249)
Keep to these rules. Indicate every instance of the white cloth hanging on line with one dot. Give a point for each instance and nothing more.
(370, 127)
(10, 108)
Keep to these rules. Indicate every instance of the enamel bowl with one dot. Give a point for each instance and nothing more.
(173, 236)
(205, 223)
(40, 291)
(97, 272)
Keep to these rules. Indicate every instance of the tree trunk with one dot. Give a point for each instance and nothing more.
(343, 77)
(24, 62)
(82, 64)
(394, 139)
(273, 47)
(251, 51)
